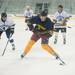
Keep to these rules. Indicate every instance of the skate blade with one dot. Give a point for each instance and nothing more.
(62, 63)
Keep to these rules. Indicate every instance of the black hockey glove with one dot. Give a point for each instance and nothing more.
(31, 27)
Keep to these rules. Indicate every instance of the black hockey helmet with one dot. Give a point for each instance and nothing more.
(61, 6)
(3, 14)
(44, 13)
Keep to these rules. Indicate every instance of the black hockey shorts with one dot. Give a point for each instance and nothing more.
(60, 29)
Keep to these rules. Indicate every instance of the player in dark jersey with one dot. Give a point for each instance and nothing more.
(44, 30)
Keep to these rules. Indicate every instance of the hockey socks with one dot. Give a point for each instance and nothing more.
(47, 48)
(28, 48)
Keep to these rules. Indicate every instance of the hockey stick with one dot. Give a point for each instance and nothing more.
(6, 45)
(7, 41)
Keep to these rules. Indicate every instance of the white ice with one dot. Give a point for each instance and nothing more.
(38, 61)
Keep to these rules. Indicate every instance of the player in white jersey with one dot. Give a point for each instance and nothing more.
(28, 13)
(61, 18)
(7, 26)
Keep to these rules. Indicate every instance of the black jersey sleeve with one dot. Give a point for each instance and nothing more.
(30, 24)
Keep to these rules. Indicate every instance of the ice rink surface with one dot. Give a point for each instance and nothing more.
(38, 61)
